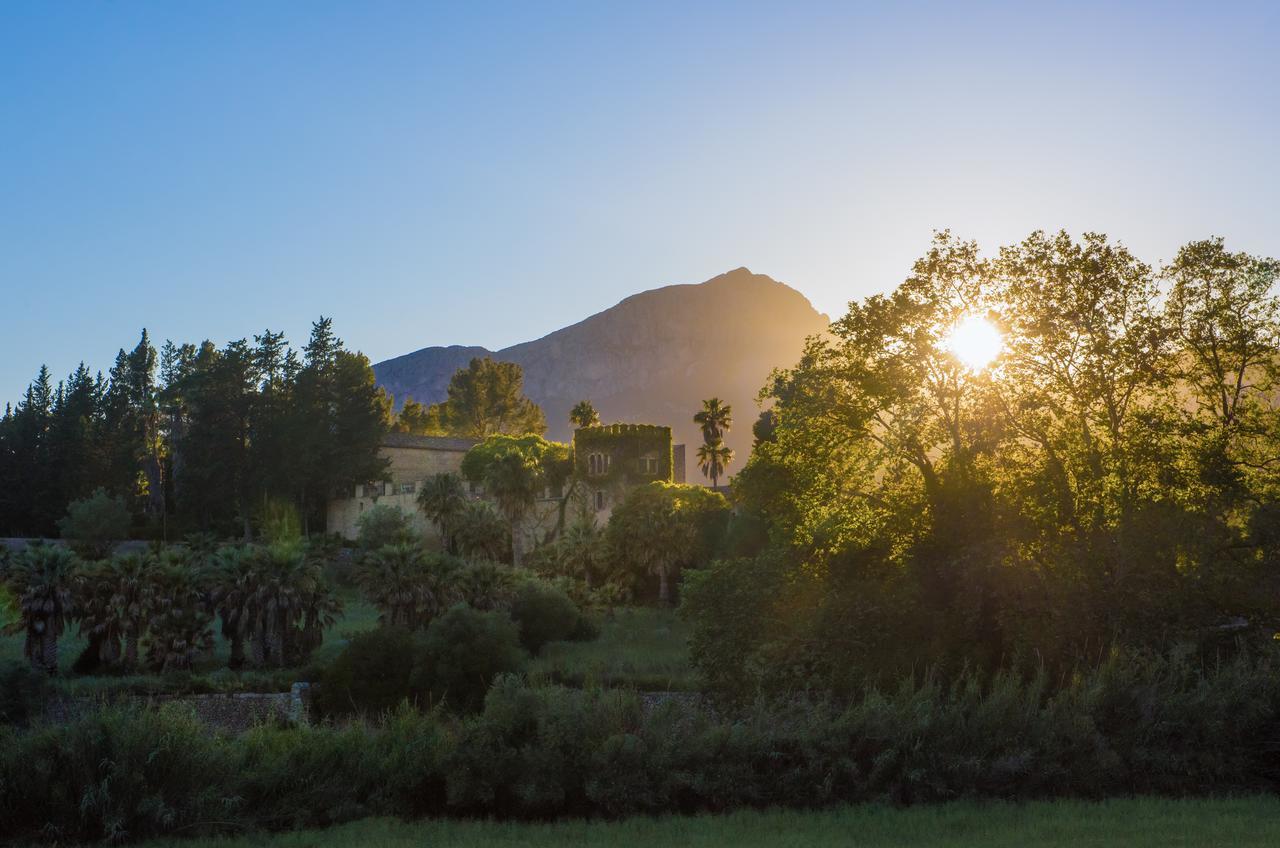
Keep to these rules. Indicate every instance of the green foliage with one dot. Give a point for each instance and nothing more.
(409, 585)
(443, 500)
(372, 675)
(514, 470)
(463, 651)
(43, 577)
(625, 445)
(482, 534)
(1135, 725)
(584, 414)
(544, 614)
(95, 524)
(383, 525)
(1106, 480)
(486, 398)
(23, 694)
(663, 527)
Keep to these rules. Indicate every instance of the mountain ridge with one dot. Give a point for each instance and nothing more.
(652, 357)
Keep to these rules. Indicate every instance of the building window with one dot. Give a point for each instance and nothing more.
(598, 463)
(373, 490)
(649, 465)
(407, 488)
(599, 500)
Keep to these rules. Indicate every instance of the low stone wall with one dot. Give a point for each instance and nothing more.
(233, 712)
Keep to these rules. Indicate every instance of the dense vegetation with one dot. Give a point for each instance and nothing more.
(1109, 478)
(1128, 727)
(195, 437)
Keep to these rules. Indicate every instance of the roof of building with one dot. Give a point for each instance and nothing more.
(440, 443)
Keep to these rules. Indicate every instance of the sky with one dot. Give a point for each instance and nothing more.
(485, 173)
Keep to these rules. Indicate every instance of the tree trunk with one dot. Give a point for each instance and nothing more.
(131, 651)
(664, 588)
(258, 647)
(49, 650)
(237, 650)
(516, 554)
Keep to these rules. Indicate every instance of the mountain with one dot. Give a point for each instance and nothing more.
(651, 358)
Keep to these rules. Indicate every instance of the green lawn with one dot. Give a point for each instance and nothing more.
(1060, 824)
(639, 646)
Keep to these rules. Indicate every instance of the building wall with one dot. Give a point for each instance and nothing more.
(636, 454)
(412, 460)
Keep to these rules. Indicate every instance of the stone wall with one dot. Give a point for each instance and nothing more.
(233, 712)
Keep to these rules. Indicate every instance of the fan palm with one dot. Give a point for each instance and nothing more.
(179, 619)
(292, 604)
(713, 458)
(480, 532)
(407, 585)
(715, 419)
(116, 599)
(584, 414)
(442, 500)
(43, 577)
(513, 480)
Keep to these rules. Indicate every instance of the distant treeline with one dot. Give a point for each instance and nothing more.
(195, 437)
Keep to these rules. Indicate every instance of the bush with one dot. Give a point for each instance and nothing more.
(23, 693)
(544, 614)
(463, 651)
(94, 525)
(372, 675)
(384, 525)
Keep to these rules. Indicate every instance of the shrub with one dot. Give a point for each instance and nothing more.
(372, 675)
(384, 525)
(94, 524)
(23, 693)
(463, 651)
(544, 614)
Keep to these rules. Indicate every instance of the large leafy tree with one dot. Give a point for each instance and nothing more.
(487, 398)
(660, 528)
(514, 471)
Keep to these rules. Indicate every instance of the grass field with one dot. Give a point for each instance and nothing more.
(639, 646)
(1142, 823)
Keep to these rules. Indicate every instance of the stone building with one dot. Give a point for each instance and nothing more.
(612, 458)
(608, 460)
(412, 460)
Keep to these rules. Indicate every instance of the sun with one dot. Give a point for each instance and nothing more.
(974, 341)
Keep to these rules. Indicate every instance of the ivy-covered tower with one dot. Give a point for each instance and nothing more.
(612, 458)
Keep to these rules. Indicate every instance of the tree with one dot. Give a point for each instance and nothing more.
(486, 398)
(44, 577)
(584, 414)
(715, 418)
(713, 459)
(94, 525)
(513, 470)
(481, 534)
(442, 499)
(116, 599)
(660, 528)
(409, 586)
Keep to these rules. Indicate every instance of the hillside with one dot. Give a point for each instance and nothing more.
(651, 358)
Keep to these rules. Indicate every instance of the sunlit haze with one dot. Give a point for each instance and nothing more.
(432, 174)
(974, 341)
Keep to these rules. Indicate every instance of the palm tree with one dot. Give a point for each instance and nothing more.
(408, 586)
(513, 480)
(115, 602)
(480, 533)
(580, 550)
(237, 574)
(715, 419)
(293, 603)
(584, 415)
(713, 458)
(442, 500)
(43, 576)
(178, 615)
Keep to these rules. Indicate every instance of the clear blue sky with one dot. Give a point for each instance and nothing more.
(486, 173)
